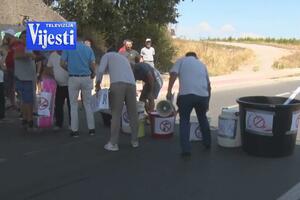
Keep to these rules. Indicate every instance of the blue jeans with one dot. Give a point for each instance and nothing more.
(185, 104)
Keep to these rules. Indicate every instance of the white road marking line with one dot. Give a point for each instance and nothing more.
(277, 95)
(283, 94)
(292, 194)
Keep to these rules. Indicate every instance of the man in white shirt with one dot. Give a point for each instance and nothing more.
(62, 93)
(194, 92)
(148, 53)
(122, 89)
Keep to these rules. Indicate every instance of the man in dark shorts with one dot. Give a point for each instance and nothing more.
(144, 72)
(25, 74)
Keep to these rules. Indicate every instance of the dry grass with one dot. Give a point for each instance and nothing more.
(220, 59)
(290, 61)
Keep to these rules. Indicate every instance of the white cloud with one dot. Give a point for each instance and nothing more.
(227, 29)
(252, 35)
(205, 30)
(205, 27)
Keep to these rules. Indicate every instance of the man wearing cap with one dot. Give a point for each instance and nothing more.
(10, 42)
(148, 53)
(80, 63)
(194, 93)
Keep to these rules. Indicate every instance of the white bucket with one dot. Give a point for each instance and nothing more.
(125, 119)
(195, 131)
(229, 133)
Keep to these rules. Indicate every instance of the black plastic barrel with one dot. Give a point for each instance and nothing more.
(268, 127)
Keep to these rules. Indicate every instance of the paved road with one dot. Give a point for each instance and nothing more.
(48, 165)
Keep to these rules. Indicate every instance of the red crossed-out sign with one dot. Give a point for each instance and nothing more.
(44, 103)
(259, 121)
(165, 126)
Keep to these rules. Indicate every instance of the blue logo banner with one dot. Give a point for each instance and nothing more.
(47, 36)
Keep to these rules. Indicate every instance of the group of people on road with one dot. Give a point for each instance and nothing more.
(74, 71)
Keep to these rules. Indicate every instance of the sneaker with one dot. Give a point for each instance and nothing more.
(135, 144)
(111, 147)
(74, 134)
(92, 132)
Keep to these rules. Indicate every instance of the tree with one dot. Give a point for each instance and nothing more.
(121, 19)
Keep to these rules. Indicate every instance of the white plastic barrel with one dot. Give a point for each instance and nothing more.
(125, 119)
(229, 133)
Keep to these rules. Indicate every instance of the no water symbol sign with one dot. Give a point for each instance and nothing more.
(164, 126)
(44, 103)
(259, 122)
(295, 121)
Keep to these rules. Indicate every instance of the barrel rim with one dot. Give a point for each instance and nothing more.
(241, 101)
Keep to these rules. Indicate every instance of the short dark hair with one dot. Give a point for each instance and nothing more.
(137, 59)
(112, 49)
(191, 53)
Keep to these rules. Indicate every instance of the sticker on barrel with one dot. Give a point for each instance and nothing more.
(195, 132)
(164, 126)
(227, 128)
(259, 122)
(295, 121)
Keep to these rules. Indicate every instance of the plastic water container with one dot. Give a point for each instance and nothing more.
(229, 133)
(269, 128)
(195, 131)
(125, 119)
(162, 126)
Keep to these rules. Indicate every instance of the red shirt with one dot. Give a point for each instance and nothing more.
(122, 49)
(9, 61)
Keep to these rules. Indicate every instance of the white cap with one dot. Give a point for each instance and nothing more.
(10, 32)
(148, 40)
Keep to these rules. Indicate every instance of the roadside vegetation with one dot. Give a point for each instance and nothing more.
(290, 61)
(220, 59)
(291, 43)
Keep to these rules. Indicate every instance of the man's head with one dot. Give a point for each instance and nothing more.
(137, 59)
(128, 45)
(192, 54)
(88, 42)
(148, 42)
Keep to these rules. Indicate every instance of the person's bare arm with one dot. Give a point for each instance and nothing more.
(93, 69)
(64, 65)
(172, 79)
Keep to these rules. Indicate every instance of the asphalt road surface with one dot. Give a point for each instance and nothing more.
(52, 166)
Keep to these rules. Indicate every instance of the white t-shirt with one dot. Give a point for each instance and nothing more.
(147, 54)
(117, 66)
(61, 76)
(193, 76)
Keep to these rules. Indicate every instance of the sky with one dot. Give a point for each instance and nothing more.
(238, 18)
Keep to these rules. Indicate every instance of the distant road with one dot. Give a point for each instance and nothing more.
(265, 56)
